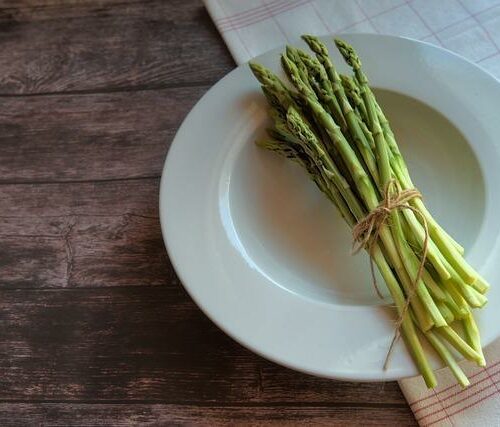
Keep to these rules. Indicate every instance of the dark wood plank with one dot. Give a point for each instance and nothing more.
(285, 385)
(90, 137)
(151, 343)
(126, 415)
(93, 45)
(82, 234)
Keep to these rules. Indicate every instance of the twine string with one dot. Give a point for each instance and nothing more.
(366, 233)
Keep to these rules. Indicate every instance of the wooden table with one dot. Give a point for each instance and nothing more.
(95, 327)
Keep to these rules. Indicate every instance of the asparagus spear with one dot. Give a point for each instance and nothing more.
(318, 83)
(448, 358)
(273, 86)
(472, 336)
(481, 285)
(354, 95)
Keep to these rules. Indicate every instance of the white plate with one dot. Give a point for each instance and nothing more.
(266, 256)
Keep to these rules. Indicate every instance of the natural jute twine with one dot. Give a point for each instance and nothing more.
(366, 233)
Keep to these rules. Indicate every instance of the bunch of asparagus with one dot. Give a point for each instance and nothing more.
(333, 127)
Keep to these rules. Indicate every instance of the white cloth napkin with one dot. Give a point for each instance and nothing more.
(468, 27)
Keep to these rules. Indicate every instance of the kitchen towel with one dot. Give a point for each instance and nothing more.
(468, 27)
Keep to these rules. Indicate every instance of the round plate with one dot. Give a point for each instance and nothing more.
(268, 258)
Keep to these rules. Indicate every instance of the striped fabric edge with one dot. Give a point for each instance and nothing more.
(466, 397)
(266, 13)
(243, 13)
(448, 415)
(453, 386)
(458, 393)
(235, 18)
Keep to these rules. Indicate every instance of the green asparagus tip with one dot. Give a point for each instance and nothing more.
(350, 87)
(304, 56)
(287, 63)
(294, 76)
(268, 144)
(290, 51)
(348, 52)
(315, 44)
(290, 67)
(255, 67)
(271, 97)
(297, 125)
(262, 74)
(312, 64)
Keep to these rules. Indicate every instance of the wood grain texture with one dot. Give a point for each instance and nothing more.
(90, 137)
(126, 415)
(54, 46)
(82, 234)
(146, 344)
(95, 326)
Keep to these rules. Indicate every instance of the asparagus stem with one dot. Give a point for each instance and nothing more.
(472, 337)
(479, 297)
(293, 54)
(353, 93)
(433, 253)
(354, 97)
(481, 285)
(407, 327)
(460, 345)
(459, 311)
(373, 123)
(448, 358)
(434, 289)
(446, 312)
(473, 297)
